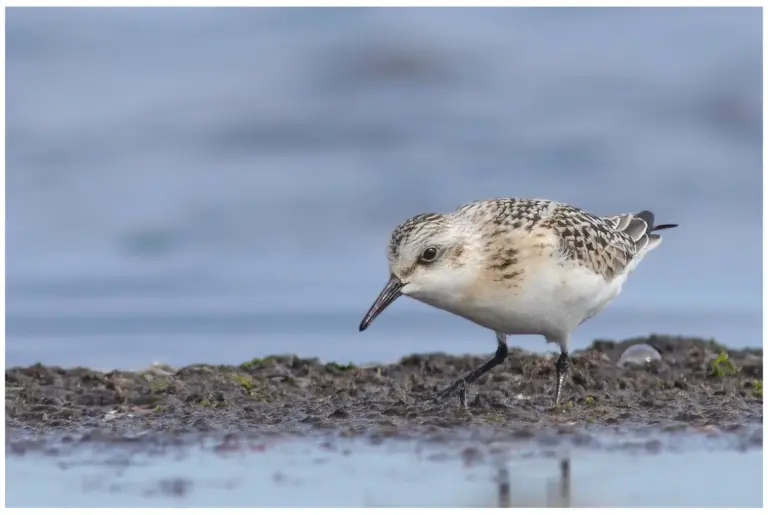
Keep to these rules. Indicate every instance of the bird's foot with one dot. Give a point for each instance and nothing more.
(460, 386)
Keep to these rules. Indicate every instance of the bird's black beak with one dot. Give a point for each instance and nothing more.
(387, 296)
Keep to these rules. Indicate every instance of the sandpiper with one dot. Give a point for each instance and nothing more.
(516, 266)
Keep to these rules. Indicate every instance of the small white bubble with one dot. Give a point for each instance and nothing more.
(640, 353)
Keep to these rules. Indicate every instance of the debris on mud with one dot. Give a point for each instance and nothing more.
(695, 383)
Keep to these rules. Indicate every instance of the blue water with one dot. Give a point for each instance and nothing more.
(213, 185)
(352, 473)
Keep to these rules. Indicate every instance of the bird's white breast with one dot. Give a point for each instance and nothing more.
(551, 300)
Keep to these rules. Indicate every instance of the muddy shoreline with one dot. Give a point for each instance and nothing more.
(697, 384)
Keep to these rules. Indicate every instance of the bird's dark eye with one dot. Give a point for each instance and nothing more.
(429, 255)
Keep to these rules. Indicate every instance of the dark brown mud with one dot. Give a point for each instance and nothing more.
(697, 384)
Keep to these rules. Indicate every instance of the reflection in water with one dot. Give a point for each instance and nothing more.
(504, 501)
(565, 481)
(352, 473)
(559, 496)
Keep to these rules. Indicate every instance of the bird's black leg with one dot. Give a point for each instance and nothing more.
(501, 354)
(562, 369)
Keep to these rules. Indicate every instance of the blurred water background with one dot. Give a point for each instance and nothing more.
(199, 185)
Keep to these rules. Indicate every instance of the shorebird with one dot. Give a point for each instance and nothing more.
(516, 266)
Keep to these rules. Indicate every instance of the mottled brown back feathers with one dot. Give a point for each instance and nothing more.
(606, 245)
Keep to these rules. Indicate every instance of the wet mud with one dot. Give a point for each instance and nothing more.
(696, 384)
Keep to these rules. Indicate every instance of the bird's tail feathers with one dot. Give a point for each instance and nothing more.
(640, 227)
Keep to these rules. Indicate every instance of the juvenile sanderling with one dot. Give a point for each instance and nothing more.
(516, 266)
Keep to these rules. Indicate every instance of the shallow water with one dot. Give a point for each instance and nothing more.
(336, 473)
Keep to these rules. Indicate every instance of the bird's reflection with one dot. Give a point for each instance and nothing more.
(562, 492)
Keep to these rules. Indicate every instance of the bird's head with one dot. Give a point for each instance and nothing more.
(426, 256)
